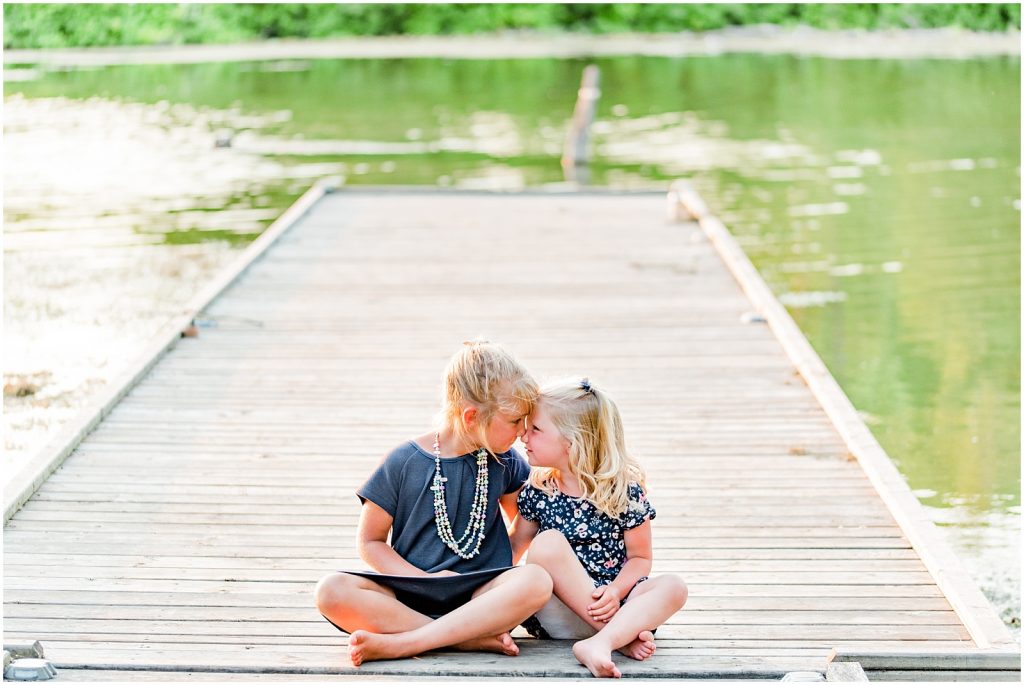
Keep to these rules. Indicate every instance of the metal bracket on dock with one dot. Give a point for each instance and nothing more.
(24, 649)
(30, 669)
(24, 661)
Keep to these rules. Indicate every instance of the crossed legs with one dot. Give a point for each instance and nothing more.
(383, 628)
(649, 605)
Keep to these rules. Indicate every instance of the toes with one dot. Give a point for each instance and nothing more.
(508, 645)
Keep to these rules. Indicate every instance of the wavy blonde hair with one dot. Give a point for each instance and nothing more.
(589, 419)
(486, 376)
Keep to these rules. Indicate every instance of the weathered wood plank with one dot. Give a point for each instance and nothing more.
(258, 561)
(534, 662)
(718, 589)
(322, 628)
(84, 675)
(848, 576)
(299, 599)
(338, 640)
(819, 615)
(236, 545)
(871, 568)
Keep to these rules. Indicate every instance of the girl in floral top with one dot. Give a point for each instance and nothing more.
(585, 517)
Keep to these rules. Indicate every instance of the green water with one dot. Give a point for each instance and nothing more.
(879, 198)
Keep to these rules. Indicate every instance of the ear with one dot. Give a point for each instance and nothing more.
(469, 416)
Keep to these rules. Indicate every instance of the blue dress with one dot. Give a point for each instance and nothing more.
(401, 486)
(597, 538)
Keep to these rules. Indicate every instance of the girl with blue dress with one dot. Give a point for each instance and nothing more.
(445, 579)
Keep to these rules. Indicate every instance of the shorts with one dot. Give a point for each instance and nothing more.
(556, 621)
(432, 596)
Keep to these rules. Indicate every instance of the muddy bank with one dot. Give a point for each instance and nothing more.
(948, 43)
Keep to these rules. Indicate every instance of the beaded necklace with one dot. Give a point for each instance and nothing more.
(473, 536)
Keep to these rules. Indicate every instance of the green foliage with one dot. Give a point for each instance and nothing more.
(75, 25)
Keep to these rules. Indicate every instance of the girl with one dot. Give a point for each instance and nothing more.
(446, 578)
(587, 500)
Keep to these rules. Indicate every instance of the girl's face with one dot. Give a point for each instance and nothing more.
(503, 430)
(545, 446)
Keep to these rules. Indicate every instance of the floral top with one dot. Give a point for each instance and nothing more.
(597, 538)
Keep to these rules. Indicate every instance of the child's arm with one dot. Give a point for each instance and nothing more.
(523, 531)
(607, 598)
(372, 539)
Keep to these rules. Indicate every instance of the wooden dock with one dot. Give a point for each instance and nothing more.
(184, 534)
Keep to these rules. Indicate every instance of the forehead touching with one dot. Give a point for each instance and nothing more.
(515, 400)
(540, 413)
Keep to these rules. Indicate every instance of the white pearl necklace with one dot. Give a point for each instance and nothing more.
(473, 536)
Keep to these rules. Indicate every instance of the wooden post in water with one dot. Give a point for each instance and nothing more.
(575, 156)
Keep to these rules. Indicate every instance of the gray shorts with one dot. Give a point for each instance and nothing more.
(555, 621)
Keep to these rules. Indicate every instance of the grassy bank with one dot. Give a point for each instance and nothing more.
(79, 25)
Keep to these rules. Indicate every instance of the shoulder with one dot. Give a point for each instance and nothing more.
(637, 492)
(639, 506)
(385, 484)
(528, 491)
(400, 456)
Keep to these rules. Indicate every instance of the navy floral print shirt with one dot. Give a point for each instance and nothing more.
(597, 538)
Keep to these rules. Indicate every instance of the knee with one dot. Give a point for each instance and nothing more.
(331, 591)
(547, 545)
(676, 590)
(537, 585)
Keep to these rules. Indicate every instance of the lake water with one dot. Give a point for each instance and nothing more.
(879, 198)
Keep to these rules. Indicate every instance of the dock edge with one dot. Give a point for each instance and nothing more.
(35, 472)
(975, 611)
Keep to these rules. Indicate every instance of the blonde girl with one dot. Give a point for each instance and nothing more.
(585, 516)
(446, 577)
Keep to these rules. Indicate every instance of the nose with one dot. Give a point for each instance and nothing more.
(524, 436)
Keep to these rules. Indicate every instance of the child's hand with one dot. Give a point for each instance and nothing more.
(607, 603)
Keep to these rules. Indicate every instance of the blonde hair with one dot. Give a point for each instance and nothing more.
(486, 376)
(590, 421)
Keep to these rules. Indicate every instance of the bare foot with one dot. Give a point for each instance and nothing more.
(366, 646)
(641, 648)
(500, 644)
(597, 657)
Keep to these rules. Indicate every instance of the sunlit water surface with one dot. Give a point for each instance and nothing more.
(879, 198)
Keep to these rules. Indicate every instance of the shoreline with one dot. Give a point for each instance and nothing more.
(945, 43)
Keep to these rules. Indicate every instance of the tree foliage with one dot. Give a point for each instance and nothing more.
(77, 25)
